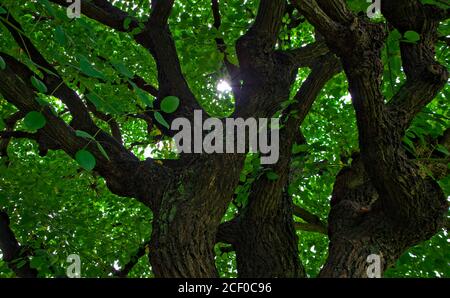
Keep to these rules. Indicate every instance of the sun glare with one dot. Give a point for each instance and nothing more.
(223, 86)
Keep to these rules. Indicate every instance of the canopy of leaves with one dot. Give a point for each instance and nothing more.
(58, 208)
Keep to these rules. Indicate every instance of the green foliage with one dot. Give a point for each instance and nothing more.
(63, 211)
(170, 104)
(411, 36)
(58, 209)
(38, 84)
(161, 120)
(34, 120)
(85, 159)
(272, 176)
(438, 3)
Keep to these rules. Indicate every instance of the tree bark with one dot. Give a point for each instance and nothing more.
(188, 216)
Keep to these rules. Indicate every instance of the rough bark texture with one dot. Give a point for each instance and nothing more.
(383, 204)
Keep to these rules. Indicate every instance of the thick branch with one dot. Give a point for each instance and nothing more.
(425, 76)
(307, 55)
(321, 20)
(103, 12)
(403, 192)
(124, 173)
(268, 19)
(156, 37)
(228, 232)
(161, 11)
(17, 135)
(56, 85)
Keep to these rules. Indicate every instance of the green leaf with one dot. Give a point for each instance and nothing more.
(83, 134)
(2, 10)
(95, 99)
(170, 104)
(438, 3)
(144, 97)
(89, 70)
(296, 149)
(42, 102)
(38, 84)
(271, 175)
(48, 7)
(412, 36)
(161, 120)
(60, 35)
(120, 67)
(21, 263)
(37, 262)
(102, 150)
(442, 149)
(2, 64)
(233, 59)
(136, 31)
(86, 135)
(2, 124)
(85, 159)
(126, 23)
(410, 144)
(34, 120)
(395, 35)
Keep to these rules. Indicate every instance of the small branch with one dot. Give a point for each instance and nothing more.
(141, 251)
(314, 224)
(10, 124)
(310, 228)
(233, 70)
(18, 135)
(141, 83)
(113, 125)
(12, 251)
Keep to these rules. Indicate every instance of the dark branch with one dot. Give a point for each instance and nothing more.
(56, 85)
(113, 125)
(425, 76)
(104, 12)
(141, 251)
(307, 55)
(18, 135)
(13, 253)
(10, 123)
(233, 70)
(228, 232)
(160, 11)
(124, 173)
(157, 39)
(313, 222)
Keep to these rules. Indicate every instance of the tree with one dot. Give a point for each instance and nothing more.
(104, 87)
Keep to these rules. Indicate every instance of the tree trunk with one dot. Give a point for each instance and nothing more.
(359, 226)
(189, 214)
